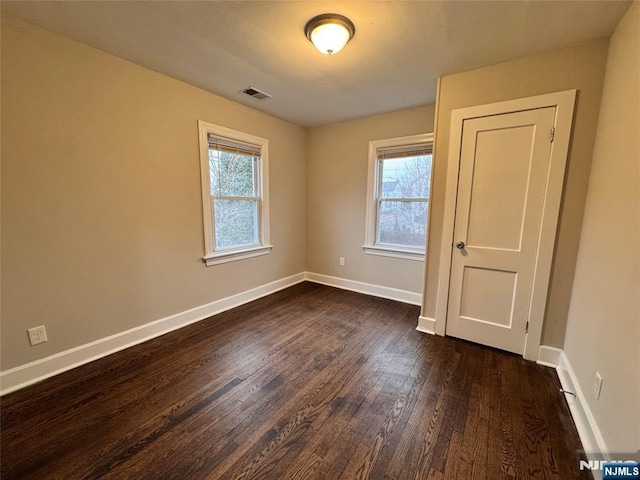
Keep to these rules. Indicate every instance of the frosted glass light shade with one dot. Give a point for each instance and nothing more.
(329, 32)
(330, 38)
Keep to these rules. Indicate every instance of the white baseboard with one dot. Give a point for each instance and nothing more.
(426, 325)
(549, 356)
(38, 370)
(588, 430)
(30, 373)
(592, 441)
(367, 288)
(33, 372)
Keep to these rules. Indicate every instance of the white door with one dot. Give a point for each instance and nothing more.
(504, 166)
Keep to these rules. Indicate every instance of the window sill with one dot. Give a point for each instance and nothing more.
(405, 254)
(233, 255)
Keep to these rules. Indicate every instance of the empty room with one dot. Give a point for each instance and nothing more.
(320, 240)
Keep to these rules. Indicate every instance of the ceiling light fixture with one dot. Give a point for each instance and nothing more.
(329, 32)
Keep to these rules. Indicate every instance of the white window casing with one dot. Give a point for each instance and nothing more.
(228, 140)
(379, 150)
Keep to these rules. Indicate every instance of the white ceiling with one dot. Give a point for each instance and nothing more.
(399, 50)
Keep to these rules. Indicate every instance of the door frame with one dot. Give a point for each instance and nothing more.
(564, 102)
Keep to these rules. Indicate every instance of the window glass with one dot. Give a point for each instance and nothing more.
(232, 174)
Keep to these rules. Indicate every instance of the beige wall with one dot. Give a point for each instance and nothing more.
(580, 67)
(603, 331)
(101, 208)
(337, 197)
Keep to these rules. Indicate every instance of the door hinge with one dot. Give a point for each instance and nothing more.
(526, 327)
(553, 134)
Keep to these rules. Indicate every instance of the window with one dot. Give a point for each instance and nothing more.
(398, 196)
(234, 167)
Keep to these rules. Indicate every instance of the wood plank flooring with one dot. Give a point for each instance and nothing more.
(309, 383)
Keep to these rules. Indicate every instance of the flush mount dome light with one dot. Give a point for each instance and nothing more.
(329, 32)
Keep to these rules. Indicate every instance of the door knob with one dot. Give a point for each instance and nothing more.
(460, 245)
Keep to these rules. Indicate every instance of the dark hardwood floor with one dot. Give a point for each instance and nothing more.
(308, 383)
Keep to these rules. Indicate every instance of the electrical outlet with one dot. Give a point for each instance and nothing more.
(37, 335)
(597, 385)
(342, 261)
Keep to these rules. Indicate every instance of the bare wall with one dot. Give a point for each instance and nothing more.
(102, 224)
(337, 157)
(603, 330)
(580, 67)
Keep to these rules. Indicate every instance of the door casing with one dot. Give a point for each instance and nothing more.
(564, 103)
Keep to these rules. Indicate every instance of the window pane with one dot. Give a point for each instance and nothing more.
(236, 223)
(402, 223)
(232, 174)
(407, 177)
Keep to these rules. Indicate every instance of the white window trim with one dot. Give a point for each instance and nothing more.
(213, 256)
(387, 250)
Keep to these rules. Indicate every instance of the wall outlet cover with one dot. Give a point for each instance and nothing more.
(597, 385)
(37, 335)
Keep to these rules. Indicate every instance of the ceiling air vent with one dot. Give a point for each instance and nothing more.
(255, 93)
